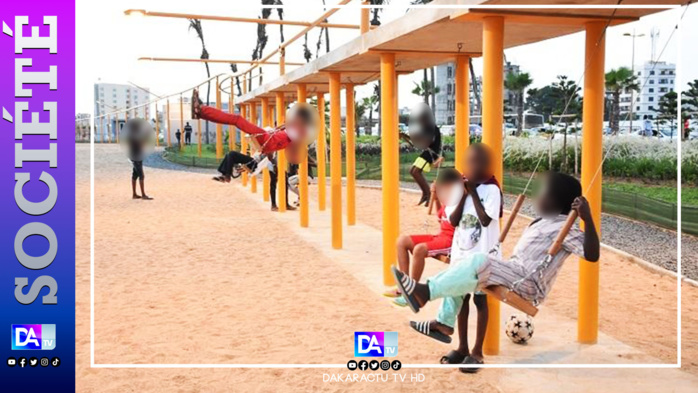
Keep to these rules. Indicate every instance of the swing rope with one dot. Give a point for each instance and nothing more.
(509, 295)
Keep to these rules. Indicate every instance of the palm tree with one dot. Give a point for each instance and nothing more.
(619, 81)
(195, 24)
(377, 94)
(326, 32)
(359, 112)
(425, 89)
(517, 83)
(370, 103)
(567, 92)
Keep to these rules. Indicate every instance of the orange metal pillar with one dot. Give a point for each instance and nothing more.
(351, 155)
(390, 163)
(198, 147)
(303, 169)
(336, 159)
(243, 143)
(321, 150)
(462, 111)
(253, 179)
(232, 138)
(492, 115)
(265, 172)
(281, 155)
(169, 140)
(592, 152)
(364, 18)
(181, 122)
(219, 127)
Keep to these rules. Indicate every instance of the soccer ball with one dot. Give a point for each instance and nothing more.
(519, 328)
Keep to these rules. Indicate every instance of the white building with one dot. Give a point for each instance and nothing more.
(446, 97)
(110, 97)
(656, 79)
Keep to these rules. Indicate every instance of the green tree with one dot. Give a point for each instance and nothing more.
(667, 110)
(689, 101)
(569, 103)
(425, 89)
(619, 81)
(542, 101)
(369, 104)
(359, 112)
(517, 83)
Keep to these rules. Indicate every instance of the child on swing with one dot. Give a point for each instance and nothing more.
(299, 129)
(475, 212)
(427, 245)
(522, 272)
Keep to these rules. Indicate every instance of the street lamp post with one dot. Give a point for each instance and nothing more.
(632, 68)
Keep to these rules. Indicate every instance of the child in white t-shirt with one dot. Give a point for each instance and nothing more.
(474, 211)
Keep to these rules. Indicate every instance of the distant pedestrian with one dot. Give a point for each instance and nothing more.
(178, 134)
(187, 134)
(647, 126)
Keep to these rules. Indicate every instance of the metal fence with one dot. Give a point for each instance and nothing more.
(634, 206)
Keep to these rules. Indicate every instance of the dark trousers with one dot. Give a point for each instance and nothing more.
(231, 159)
(187, 138)
(137, 172)
(273, 178)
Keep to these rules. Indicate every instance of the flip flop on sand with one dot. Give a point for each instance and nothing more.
(425, 328)
(453, 357)
(470, 370)
(406, 286)
(392, 293)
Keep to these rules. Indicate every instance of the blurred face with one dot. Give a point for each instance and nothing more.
(545, 203)
(477, 164)
(443, 192)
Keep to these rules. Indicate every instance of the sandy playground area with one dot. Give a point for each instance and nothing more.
(206, 274)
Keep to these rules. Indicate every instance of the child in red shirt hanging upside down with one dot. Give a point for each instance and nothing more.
(427, 245)
(299, 129)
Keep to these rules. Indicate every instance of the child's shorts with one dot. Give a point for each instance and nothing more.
(436, 244)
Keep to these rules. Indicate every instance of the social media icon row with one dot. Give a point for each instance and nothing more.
(364, 365)
(33, 362)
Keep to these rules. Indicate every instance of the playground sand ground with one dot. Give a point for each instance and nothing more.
(204, 274)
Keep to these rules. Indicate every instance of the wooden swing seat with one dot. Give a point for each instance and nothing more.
(502, 293)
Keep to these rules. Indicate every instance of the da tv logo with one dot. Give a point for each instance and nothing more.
(33, 337)
(375, 344)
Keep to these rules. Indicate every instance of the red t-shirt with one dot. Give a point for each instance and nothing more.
(446, 228)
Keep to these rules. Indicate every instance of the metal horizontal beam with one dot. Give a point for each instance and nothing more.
(194, 60)
(238, 19)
